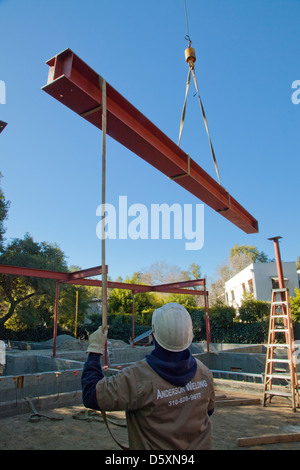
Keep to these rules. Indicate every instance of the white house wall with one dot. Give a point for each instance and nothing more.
(235, 285)
(263, 278)
(260, 274)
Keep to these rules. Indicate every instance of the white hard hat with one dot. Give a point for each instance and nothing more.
(172, 327)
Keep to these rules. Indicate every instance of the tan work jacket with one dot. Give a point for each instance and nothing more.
(161, 416)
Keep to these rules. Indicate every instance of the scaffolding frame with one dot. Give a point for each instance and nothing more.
(82, 278)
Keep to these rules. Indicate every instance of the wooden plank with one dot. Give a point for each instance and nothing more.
(238, 402)
(268, 439)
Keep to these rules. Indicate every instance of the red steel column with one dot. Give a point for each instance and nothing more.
(278, 261)
(55, 318)
(207, 320)
(133, 313)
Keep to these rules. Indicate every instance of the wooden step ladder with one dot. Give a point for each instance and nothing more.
(286, 377)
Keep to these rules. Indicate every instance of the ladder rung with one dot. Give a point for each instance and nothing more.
(280, 290)
(280, 316)
(280, 394)
(283, 361)
(275, 345)
(280, 330)
(279, 376)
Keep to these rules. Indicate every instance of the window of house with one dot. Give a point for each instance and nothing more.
(232, 296)
(244, 287)
(250, 285)
(275, 282)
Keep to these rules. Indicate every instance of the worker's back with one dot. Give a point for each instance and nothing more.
(161, 416)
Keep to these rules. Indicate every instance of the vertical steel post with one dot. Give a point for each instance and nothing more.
(207, 320)
(278, 261)
(133, 313)
(55, 318)
(280, 276)
(102, 84)
(76, 314)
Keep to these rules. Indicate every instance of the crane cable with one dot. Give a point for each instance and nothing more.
(190, 56)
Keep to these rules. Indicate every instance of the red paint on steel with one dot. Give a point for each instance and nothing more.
(76, 278)
(55, 318)
(278, 261)
(76, 85)
(57, 275)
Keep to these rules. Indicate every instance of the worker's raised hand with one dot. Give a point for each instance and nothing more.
(97, 340)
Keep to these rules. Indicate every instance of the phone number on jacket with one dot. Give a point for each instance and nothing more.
(180, 400)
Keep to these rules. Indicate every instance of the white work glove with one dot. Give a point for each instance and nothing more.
(97, 340)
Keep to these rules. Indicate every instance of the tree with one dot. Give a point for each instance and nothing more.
(193, 272)
(161, 272)
(251, 252)
(240, 257)
(188, 301)
(4, 206)
(67, 305)
(120, 300)
(27, 253)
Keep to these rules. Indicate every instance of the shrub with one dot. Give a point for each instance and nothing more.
(243, 333)
(222, 315)
(295, 306)
(198, 320)
(253, 310)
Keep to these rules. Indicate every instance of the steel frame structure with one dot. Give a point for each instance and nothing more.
(80, 278)
(76, 85)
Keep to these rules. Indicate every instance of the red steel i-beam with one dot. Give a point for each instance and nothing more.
(76, 85)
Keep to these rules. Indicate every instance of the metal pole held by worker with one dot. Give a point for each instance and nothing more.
(102, 83)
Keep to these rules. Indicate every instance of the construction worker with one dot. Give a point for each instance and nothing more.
(168, 397)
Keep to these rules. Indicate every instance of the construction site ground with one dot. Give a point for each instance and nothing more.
(228, 423)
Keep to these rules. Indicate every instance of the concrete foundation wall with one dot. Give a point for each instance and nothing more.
(251, 363)
(32, 364)
(40, 375)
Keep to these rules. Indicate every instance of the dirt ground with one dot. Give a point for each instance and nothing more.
(228, 423)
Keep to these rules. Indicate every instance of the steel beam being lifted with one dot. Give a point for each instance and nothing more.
(72, 82)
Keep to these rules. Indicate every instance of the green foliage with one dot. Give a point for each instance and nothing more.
(67, 306)
(243, 333)
(120, 300)
(222, 315)
(188, 301)
(17, 289)
(198, 320)
(251, 251)
(36, 334)
(120, 327)
(4, 206)
(27, 302)
(145, 318)
(253, 310)
(295, 306)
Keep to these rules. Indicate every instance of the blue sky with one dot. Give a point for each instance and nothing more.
(247, 60)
